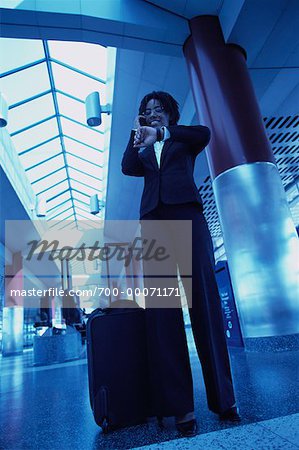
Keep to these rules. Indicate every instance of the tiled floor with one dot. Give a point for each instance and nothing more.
(281, 433)
(48, 408)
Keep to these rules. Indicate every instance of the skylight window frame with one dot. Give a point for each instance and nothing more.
(88, 161)
(60, 212)
(47, 175)
(59, 147)
(57, 195)
(58, 206)
(30, 99)
(81, 124)
(22, 67)
(35, 124)
(84, 184)
(42, 162)
(83, 173)
(34, 147)
(83, 143)
(51, 187)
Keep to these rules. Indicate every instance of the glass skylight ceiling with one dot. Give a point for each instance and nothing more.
(45, 84)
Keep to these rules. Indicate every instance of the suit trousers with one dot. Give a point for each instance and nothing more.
(170, 374)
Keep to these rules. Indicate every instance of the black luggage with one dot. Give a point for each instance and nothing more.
(117, 365)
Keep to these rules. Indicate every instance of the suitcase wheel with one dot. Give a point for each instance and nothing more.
(105, 426)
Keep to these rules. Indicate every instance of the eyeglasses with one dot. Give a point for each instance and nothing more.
(157, 109)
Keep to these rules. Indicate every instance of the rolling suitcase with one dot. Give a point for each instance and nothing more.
(117, 365)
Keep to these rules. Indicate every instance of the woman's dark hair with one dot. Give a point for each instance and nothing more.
(169, 104)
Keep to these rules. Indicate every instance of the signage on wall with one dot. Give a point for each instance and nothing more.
(229, 310)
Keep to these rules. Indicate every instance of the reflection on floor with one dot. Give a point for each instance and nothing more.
(48, 408)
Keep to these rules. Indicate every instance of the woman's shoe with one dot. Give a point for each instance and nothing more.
(187, 429)
(231, 415)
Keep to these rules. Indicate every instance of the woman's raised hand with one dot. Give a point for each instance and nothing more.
(138, 121)
(145, 136)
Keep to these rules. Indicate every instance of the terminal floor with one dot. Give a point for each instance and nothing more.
(48, 408)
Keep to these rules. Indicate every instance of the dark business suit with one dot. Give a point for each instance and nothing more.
(171, 194)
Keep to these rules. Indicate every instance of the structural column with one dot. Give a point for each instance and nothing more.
(13, 311)
(260, 239)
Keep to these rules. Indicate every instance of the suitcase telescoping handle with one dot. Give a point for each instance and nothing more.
(128, 269)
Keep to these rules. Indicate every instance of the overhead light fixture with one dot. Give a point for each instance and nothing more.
(94, 109)
(94, 204)
(3, 111)
(41, 207)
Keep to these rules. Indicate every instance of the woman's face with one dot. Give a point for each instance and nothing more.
(155, 115)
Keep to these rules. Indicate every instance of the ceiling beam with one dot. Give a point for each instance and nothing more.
(56, 107)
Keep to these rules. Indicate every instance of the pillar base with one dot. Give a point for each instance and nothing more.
(271, 344)
(262, 248)
(12, 337)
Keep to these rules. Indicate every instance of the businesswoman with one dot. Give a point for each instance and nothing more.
(164, 154)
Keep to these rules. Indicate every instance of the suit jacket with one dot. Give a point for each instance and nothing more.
(173, 182)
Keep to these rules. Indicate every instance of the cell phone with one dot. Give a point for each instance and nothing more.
(142, 121)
